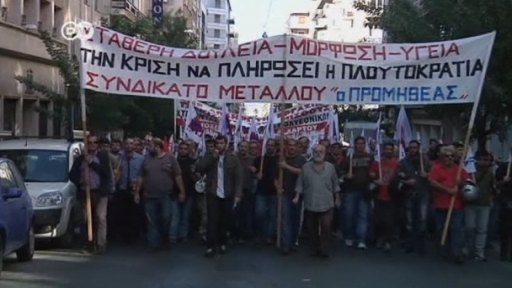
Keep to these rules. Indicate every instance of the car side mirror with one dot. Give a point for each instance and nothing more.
(11, 193)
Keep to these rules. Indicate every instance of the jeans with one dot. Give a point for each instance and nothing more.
(158, 216)
(266, 213)
(291, 221)
(416, 211)
(180, 219)
(455, 233)
(477, 220)
(355, 216)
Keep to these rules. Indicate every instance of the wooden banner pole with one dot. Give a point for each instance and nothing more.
(88, 204)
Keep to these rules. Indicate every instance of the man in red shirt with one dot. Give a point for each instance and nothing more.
(445, 185)
(384, 205)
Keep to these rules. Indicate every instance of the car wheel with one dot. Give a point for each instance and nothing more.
(1, 254)
(67, 240)
(26, 253)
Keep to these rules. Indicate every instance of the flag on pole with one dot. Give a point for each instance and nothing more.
(193, 127)
(378, 140)
(403, 132)
(470, 161)
(269, 129)
(224, 127)
(351, 146)
(238, 130)
(254, 135)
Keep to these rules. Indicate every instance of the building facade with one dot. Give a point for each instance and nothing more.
(299, 24)
(218, 24)
(23, 53)
(192, 10)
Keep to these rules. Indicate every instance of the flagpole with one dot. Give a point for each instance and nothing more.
(422, 165)
(509, 166)
(466, 145)
(87, 183)
(281, 156)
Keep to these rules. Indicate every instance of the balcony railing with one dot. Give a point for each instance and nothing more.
(125, 8)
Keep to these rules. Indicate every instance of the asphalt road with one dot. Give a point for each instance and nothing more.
(249, 266)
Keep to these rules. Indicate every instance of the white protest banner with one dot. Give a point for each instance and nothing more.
(315, 71)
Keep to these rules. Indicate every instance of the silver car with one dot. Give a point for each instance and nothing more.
(44, 165)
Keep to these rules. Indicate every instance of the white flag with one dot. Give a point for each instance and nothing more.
(378, 141)
(403, 127)
(238, 130)
(269, 130)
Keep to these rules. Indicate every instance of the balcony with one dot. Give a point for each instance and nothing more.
(219, 11)
(231, 22)
(125, 8)
(214, 25)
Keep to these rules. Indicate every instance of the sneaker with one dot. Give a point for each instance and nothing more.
(223, 249)
(209, 253)
(387, 247)
(349, 243)
(361, 246)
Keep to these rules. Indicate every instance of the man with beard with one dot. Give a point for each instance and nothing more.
(223, 193)
(158, 174)
(318, 184)
(416, 190)
(476, 212)
(292, 167)
(266, 195)
(357, 195)
(244, 228)
(180, 219)
(99, 181)
(304, 146)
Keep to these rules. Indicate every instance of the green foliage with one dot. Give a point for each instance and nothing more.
(435, 20)
(135, 115)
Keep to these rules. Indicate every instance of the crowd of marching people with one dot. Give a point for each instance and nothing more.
(296, 193)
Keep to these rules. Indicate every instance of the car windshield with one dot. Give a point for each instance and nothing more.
(40, 165)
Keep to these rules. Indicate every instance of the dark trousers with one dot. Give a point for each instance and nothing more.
(385, 220)
(124, 218)
(243, 224)
(219, 214)
(318, 225)
(505, 221)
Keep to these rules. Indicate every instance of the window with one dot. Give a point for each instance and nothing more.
(10, 114)
(30, 78)
(6, 177)
(43, 119)
(217, 18)
(216, 33)
(33, 164)
(302, 20)
(216, 46)
(218, 4)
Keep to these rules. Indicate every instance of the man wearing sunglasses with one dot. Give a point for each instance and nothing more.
(100, 184)
(446, 183)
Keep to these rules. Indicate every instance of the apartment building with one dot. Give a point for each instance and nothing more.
(338, 20)
(192, 10)
(218, 24)
(299, 24)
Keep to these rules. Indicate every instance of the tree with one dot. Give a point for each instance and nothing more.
(135, 115)
(439, 20)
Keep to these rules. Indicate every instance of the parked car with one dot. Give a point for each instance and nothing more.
(44, 166)
(16, 215)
